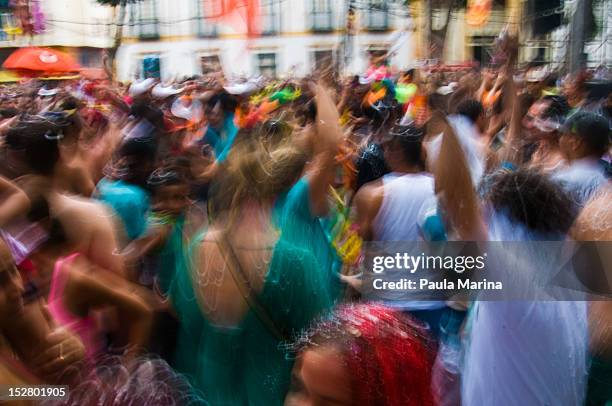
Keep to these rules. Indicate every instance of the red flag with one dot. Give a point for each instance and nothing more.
(239, 14)
(478, 12)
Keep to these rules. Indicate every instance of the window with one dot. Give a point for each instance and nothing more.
(323, 59)
(542, 53)
(10, 26)
(143, 19)
(482, 48)
(90, 57)
(270, 17)
(210, 64)
(151, 66)
(376, 15)
(266, 64)
(321, 15)
(205, 27)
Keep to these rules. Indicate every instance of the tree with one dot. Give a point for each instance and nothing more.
(119, 22)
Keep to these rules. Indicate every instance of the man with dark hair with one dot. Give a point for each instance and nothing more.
(391, 208)
(585, 139)
(542, 125)
(546, 115)
(473, 110)
(401, 192)
(557, 107)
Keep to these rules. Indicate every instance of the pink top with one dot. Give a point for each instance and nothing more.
(84, 327)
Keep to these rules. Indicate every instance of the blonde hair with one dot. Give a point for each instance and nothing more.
(255, 172)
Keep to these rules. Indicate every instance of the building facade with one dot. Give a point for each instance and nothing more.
(80, 27)
(296, 36)
(178, 38)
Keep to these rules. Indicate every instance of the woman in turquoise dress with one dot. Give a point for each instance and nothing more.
(244, 290)
(301, 209)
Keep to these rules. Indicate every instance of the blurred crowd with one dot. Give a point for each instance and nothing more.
(201, 241)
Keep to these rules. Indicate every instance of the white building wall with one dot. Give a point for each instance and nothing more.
(179, 47)
(70, 23)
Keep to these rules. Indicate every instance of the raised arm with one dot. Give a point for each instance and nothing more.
(513, 106)
(456, 191)
(320, 171)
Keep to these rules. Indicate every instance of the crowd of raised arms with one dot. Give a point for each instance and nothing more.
(201, 241)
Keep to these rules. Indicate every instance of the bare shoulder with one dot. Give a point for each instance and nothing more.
(72, 205)
(82, 214)
(370, 195)
(595, 220)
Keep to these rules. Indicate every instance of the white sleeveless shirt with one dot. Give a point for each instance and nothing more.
(404, 197)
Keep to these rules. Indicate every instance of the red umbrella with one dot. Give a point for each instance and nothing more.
(34, 59)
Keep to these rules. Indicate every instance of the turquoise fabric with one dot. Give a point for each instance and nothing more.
(222, 141)
(247, 364)
(293, 215)
(600, 383)
(130, 202)
(169, 255)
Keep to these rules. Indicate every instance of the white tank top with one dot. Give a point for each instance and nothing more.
(397, 220)
(403, 198)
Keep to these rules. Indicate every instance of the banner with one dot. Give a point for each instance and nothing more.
(478, 12)
(239, 14)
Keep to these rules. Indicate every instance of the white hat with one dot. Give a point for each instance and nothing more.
(47, 92)
(537, 74)
(161, 92)
(444, 90)
(366, 80)
(243, 88)
(140, 87)
(193, 112)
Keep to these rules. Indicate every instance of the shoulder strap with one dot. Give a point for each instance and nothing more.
(246, 290)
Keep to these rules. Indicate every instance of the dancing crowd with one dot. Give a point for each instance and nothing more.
(201, 241)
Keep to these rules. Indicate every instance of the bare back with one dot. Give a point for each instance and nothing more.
(219, 296)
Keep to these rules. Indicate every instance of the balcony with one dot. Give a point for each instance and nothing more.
(322, 21)
(270, 17)
(143, 21)
(375, 15)
(205, 28)
(148, 29)
(270, 24)
(321, 16)
(377, 20)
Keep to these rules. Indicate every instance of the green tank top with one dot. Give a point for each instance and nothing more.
(246, 364)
